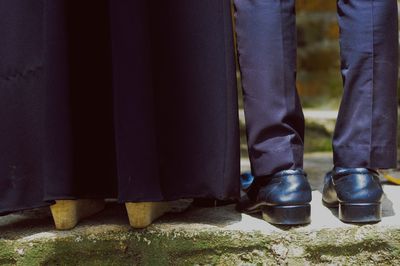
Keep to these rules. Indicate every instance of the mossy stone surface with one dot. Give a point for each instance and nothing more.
(156, 246)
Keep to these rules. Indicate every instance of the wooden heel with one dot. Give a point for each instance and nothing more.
(67, 213)
(142, 214)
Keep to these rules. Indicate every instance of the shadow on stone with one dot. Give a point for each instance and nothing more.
(214, 216)
(20, 224)
(277, 226)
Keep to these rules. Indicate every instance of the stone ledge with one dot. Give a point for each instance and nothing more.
(174, 241)
(206, 236)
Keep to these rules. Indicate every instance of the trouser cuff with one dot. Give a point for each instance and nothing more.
(381, 157)
(272, 161)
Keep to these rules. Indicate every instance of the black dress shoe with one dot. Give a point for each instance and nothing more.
(357, 193)
(283, 198)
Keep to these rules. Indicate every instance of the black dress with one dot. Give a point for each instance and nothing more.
(132, 99)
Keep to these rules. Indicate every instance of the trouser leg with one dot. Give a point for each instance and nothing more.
(365, 134)
(266, 36)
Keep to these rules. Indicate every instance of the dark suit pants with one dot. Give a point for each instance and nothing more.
(365, 134)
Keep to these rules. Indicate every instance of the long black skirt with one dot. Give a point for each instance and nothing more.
(129, 99)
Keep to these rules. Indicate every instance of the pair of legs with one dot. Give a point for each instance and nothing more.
(365, 134)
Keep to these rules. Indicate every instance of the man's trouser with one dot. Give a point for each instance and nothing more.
(365, 134)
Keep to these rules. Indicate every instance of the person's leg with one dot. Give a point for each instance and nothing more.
(365, 134)
(266, 38)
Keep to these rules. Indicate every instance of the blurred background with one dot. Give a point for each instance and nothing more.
(319, 82)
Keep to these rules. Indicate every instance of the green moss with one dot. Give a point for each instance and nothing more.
(174, 247)
(317, 138)
(365, 248)
(6, 253)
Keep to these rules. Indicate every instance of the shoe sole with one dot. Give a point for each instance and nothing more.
(358, 212)
(287, 215)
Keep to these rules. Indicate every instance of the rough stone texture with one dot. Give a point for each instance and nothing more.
(183, 245)
(202, 236)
